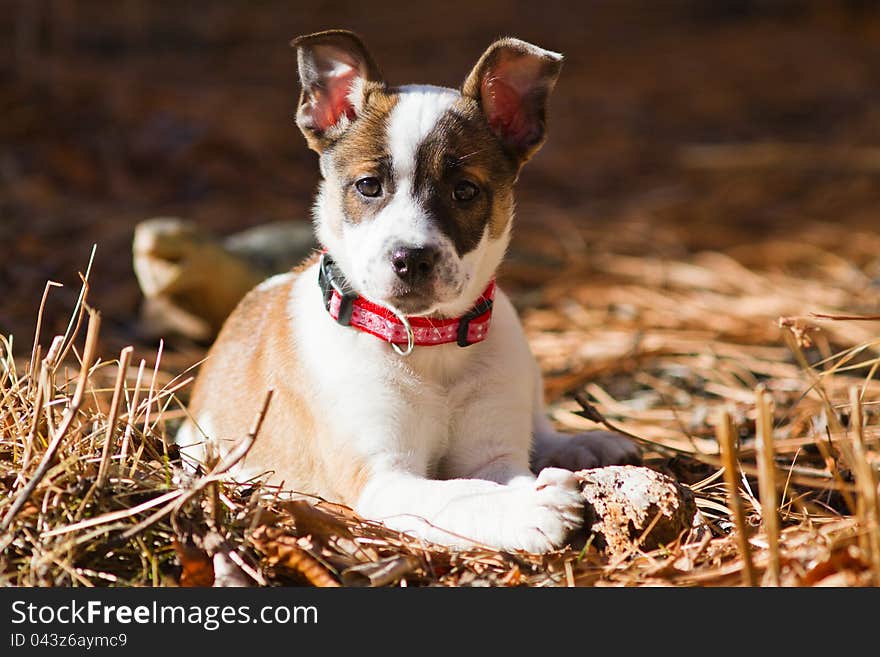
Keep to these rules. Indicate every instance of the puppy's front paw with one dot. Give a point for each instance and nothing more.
(594, 449)
(554, 509)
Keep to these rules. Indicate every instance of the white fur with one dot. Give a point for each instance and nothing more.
(415, 115)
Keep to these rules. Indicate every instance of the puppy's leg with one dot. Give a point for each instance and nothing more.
(593, 449)
(529, 514)
(487, 494)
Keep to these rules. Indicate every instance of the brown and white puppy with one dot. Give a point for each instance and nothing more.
(415, 208)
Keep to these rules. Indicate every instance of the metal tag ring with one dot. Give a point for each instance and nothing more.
(410, 337)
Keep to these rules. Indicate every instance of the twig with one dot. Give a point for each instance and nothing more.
(31, 372)
(118, 392)
(867, 503)
(43, 390)
(592, 413)
(859, 318)
(114, 515)
(79, 309)
(70, 414)
(129, 421)
(729, 461)
(767, 482)
(150, 400)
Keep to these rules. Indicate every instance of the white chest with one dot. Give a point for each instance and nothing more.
(369, 397)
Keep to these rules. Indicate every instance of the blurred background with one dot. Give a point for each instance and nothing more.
(676, 126)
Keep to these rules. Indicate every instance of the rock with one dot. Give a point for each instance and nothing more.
(192, 280)
(273, 247)
(623, 501)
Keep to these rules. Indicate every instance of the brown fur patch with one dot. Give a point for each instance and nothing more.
(256, 351)
(363, 152)
(462, 147)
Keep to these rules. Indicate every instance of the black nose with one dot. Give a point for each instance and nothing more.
(413, 265)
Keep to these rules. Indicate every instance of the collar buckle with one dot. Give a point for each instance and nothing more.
(464, 324)
(330, 280)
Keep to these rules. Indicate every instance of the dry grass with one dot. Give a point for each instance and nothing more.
(719, 348)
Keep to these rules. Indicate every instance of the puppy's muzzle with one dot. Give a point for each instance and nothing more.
(414, 265)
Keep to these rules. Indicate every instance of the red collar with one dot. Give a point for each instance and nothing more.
(350, 309)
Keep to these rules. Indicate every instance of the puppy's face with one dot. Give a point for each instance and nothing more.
(417, 196)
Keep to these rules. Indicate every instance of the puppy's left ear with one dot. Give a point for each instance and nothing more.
(512, 82)
(336, 71)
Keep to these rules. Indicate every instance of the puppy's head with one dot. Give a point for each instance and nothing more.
(417, 193)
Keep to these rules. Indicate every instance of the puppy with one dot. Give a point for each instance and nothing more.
(404, 385)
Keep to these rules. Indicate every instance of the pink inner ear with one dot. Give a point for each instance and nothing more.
(503, 106)
(507, 90)
(331, 103)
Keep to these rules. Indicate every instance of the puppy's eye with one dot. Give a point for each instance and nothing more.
(369, 187)
(465, 191)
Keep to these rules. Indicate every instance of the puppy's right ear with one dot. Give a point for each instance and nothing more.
(335, 71)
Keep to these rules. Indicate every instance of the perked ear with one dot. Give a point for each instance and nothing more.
(334, 71)
(512, 82)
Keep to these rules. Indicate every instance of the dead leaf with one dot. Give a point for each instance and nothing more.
(318, 523)
(282, 550)
(198, 568)
(839, 566)
(380, 573)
